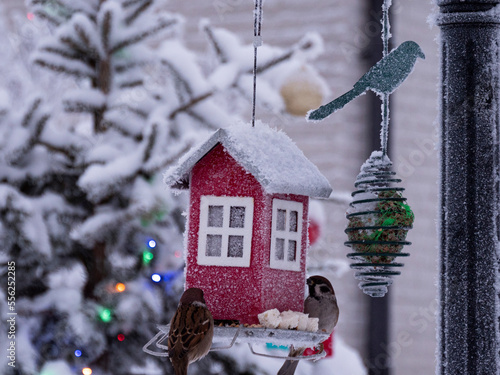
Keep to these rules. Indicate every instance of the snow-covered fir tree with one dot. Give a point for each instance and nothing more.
(83, 211)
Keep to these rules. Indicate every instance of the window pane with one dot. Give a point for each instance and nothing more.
(214, 245)
(292, 250)
(237, 217)
(235, 247)
(279, 251)
(215, 216)
(293, 221)
(280, 220)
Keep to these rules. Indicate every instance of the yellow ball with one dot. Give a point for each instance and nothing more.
(301, 92)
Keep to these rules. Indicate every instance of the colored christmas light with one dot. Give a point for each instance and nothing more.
(178, 254)
(78, 353)
(30, 16)
(105, 315)
(120, 337)
(152, 244)
(147, 257)
(156, 277)
(120, 287)
(87, 371)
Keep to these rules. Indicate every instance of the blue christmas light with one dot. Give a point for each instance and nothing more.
(156, 277)
(152, 244)
(78, 353)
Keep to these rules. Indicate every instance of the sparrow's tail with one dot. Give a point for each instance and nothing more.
(181, 367)
(289, 366)
(326, 110)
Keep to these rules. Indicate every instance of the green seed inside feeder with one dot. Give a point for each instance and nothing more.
(381, 227)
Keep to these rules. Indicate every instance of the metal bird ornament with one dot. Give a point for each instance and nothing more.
(383, 78)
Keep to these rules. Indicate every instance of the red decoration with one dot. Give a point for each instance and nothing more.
(314, 231)
(247, 232)
(242, 293)
(327, 345)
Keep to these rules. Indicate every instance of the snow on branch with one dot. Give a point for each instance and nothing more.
(136, 13)
(62, 64)
(141, 34)
(101, 181)
(84, 100)
(99, 226)
(105, 20)
(21, 140)
(125, 119)
(18, 213)
(207, 28)
(85, 29)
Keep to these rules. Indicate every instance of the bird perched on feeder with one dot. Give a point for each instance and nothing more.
(383, 78)
(191, 331)
(322, 304)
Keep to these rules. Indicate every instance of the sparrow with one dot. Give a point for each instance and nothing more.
(191, 331)
(383, 78)
(322, 304)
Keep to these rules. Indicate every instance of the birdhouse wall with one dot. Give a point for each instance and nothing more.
(241, 292)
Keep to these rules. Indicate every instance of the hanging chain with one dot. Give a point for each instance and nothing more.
(386, 33)
(257, 42)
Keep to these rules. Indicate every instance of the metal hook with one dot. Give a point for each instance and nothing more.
(150, 342)
(232, 341)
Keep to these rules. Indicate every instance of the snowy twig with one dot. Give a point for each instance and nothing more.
(190, 104)
(138, 11)
(65, 53)
(160, 166)
(68, 152)
(106, 29)
(218, 50)
(31, 111)
(163, 24)
(141, 113)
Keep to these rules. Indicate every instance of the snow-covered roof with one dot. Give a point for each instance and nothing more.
(268, 154)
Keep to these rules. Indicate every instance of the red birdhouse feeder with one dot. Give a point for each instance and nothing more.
(248, 220)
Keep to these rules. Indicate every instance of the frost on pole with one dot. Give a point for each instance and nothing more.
(468, 331)
(383, 78)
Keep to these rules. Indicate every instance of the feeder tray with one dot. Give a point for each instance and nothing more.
(226, 337)
(379, 220)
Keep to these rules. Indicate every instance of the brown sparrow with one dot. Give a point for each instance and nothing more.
(322, 304)
(191, 331)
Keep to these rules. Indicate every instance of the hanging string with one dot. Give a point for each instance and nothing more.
(386, 34)
(257, 42)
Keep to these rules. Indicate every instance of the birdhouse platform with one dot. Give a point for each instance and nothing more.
(226, 337)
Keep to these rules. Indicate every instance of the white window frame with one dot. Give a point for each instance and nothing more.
(286, 235)
(225, 231)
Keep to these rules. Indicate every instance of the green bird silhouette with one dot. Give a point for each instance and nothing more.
(383, 78)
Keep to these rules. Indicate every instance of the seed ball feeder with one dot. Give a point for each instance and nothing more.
(379, 220)
(379, 217)
(246, 237)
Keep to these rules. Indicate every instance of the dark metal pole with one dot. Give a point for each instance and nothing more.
(378, 358)
(469, 331)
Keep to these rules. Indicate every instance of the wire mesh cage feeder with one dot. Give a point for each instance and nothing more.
(379, 220)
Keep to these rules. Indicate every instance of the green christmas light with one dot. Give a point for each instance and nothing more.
(105, 315)
(147, 257)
